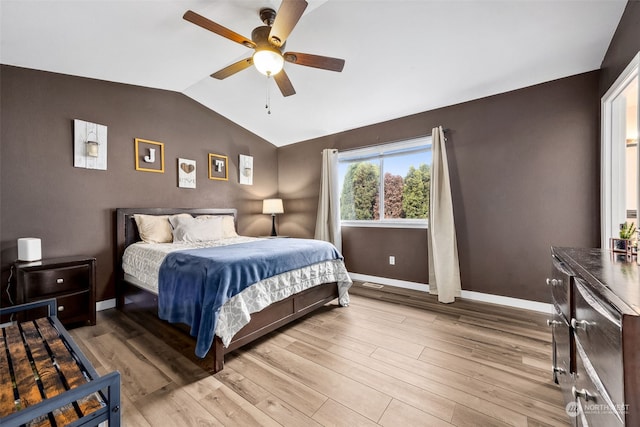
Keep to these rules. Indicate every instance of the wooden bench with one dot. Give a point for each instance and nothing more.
(45, 380)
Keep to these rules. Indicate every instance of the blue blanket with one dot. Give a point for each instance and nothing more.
(193, 284)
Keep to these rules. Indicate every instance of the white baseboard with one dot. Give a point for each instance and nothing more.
(471, 295)
(542, 307)
(106, 304)
(391, 282)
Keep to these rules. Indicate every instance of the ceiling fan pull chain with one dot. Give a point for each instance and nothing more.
(268, 102)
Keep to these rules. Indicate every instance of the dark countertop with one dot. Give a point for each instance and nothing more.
(612, 275)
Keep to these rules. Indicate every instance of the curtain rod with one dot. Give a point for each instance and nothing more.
(388, 142)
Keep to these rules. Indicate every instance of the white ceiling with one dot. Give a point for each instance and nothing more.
(402, 56)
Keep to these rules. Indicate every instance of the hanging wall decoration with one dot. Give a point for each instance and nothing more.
(149, 155)
(246, 170)
(218, 167)
(89, 145)
(186, 173)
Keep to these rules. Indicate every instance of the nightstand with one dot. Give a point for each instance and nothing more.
(71, 281)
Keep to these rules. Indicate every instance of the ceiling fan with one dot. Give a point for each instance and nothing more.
(268, 42)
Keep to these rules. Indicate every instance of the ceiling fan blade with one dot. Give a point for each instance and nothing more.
(208, 24)
(316, 61)
(284, 84)
(233, 68)
(287, 17)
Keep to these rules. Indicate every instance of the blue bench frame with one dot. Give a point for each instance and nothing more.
(108, 386)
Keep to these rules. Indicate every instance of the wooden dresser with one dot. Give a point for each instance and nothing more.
(596, 335)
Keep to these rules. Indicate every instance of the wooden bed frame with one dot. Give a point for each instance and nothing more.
(272, 317)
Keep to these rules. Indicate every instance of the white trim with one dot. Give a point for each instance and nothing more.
(389, 148)
(610, 177)
(105, 304)
(470, 295)
(390, 282)
(526, 304)
(623, 79)
(386, 223)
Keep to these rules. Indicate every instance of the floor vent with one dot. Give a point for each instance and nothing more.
(372, 285)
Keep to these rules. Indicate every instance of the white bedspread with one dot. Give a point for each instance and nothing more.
(142, 261)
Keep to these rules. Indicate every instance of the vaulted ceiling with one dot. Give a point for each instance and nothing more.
(402, 56)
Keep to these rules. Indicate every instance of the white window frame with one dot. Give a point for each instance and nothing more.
(379, 152)
(613, 166)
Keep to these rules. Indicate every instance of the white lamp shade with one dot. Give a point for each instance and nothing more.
(272, 206)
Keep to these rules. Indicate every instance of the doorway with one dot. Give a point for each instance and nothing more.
(620, 172)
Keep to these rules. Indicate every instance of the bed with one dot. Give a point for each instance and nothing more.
(287, 293)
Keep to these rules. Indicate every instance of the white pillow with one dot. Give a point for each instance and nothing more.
(228, 224)
(156, 228)
(196, 229)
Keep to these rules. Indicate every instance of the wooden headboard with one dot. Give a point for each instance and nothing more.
(127, 230)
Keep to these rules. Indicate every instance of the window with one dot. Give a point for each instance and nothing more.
(386, 184)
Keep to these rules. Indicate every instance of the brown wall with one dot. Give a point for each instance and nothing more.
(624, 45)
(367, 251)
(524, 172)
(71, 209)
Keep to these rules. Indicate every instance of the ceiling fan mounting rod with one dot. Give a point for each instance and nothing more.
(267, 15)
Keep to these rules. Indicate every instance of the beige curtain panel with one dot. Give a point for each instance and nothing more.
(328, 219)
(444, 268)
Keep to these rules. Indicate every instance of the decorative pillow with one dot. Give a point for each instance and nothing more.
(197, 229)
(156, 228)
(228, 224)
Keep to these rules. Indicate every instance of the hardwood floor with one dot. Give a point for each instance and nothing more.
(388, 359)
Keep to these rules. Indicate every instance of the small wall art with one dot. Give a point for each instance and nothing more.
(246, 170)
(89, 145)
(149, 155)
(218, 167)
(186, 173)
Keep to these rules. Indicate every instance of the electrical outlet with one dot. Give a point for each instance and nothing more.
(392, 260)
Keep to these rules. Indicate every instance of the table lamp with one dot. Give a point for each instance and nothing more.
(273, 207)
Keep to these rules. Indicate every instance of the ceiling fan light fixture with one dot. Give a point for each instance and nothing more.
(268, 41)
(268, 61)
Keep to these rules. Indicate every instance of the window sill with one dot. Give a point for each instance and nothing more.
(386, 224)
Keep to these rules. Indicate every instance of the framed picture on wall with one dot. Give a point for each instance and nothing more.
(186, 173)
(89, 145)
(149, 155)
(218, 167)
(246, 170)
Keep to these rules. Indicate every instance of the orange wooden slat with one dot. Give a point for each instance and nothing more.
(25, 380)
(28, 391)
(49, 376)
(67, 365)
(7, 400)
